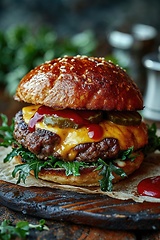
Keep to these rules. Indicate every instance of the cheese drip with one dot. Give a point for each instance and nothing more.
(128, 136)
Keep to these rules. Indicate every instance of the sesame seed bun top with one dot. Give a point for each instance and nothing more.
(80, 82)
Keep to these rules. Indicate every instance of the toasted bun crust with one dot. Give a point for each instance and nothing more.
(88, 176)
(80, 82)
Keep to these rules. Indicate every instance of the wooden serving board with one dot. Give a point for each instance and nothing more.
(90, 209)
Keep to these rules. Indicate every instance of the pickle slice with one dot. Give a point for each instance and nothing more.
(60, 122)
(84, 118)
(127, 118)
(92, 116)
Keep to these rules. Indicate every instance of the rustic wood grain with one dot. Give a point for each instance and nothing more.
(87, 209)
(64, 230)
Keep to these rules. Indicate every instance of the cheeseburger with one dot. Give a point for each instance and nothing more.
(81, 123)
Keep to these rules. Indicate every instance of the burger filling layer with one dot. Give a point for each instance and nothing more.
(86, 140)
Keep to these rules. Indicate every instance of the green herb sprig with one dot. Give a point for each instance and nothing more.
(6, 132)
(71, 168)
(31, 162)
(153, 140)
(21, 229)
(108, 168)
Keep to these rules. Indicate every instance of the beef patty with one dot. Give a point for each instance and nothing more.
(42, 143)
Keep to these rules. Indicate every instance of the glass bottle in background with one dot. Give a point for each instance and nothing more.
(152, 91)
(130, 46)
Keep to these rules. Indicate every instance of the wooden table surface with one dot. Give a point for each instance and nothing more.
(60, 229)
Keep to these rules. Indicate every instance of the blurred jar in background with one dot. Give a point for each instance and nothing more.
(129, 46)
(152, 92)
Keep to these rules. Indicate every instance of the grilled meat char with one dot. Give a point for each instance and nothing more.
(42, 142)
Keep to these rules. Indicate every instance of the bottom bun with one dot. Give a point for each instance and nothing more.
(88, 176)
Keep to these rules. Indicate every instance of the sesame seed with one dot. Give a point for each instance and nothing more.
(47, 62)
(71, 68)
(102, 58)
(65, 59)
(77, 56)
(101, 63)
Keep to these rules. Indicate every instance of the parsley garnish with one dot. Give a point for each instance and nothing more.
(21, 230)
(6, 132)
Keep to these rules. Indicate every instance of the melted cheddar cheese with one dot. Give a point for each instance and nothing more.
(128, 136)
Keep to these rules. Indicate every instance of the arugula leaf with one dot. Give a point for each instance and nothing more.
(106, 181)
(40, 227)
(127, 154)
(153, 140)
(22, 228)
(6, 132)
(71, 168)
(107, 170)
(23, 172)
(31, 163)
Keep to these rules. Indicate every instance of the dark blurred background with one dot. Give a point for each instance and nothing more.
(68, 17)
(33, 31)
